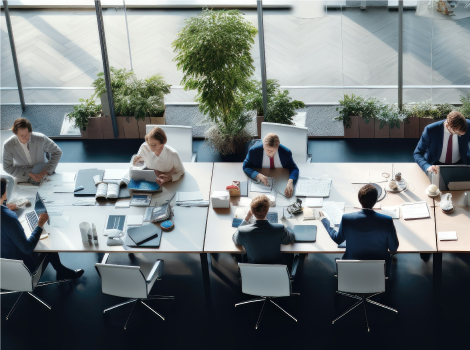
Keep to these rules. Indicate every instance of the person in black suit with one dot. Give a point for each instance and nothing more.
(444, 142)
(262, 240)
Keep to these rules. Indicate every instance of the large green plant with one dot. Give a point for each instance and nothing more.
(357, 105)
(389, 114)
(82, 112)
(281, 107)
(119, 79)
(213, 51)
(465, 108)
(426, 109)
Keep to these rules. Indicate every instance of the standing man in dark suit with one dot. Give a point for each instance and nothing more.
(368, 235)
(444, 142)
(262, 240)
(15, 245)
(271, 154)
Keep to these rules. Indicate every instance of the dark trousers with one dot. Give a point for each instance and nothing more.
(53, 259)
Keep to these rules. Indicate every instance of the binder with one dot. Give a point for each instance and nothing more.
(145, 234)
(85, 178)
(305, 233)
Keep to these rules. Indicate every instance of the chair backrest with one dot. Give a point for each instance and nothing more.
(265, 280)
(293, 137)
(179, 137)
(122, 281)
(15, 276)
(361, 276)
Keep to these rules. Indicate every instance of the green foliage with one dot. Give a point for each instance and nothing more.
(357, 105)
(465, 108)
(389, 113)
(119, 79)
(82, 112)
(426, 109)
(281, 107)
(132, 96)
(213, 51)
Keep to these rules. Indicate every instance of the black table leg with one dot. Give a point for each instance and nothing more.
(437, 277)
(206, 280)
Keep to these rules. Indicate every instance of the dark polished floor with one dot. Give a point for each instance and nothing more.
(76, 320)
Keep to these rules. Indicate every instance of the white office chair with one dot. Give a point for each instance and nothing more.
(293, 137)
(361, 277)
(16, 278)
(267, 282)
(179, 137)
(133, 282)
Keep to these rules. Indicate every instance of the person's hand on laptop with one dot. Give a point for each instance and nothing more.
(137, 159)
(43, 219)
(433, 169)
(263, 179)
(289, 191)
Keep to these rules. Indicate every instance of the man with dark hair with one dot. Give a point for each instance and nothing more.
(262, 240)
(15, 245)
(368, 235)
(25, 149)
(444, 142)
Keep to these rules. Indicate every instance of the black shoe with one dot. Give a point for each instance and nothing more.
(70, 274)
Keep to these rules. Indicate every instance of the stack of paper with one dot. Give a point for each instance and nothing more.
(415, 210)
(334, 210)
(191, 199)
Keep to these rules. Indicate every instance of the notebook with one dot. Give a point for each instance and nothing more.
(305, 233)
(142, 234)
(85, 179)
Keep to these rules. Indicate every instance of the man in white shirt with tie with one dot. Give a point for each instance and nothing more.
(444, 142)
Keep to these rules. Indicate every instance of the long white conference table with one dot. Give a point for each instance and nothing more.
(207, 230)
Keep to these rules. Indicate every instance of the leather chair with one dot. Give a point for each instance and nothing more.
(358, 278)
(134, 282)
(180, 138)
(17, 278)
(266, 282)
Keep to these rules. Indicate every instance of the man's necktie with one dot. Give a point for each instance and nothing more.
(271, 162)
(449, 150)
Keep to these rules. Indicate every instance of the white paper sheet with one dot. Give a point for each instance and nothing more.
(313, 188)
(60, 221)
(85, 202)
(447, 236)
(123, 203)
(114, 174)
(314, 202)
(334, 211)
(416, 210)
(134, 220)
(189, 196)
(67, 187)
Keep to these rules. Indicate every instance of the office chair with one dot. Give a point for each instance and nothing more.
(180, 138)
(16, 278)
(266, 282)
(133, 282)
(361, 277)
(293, 137)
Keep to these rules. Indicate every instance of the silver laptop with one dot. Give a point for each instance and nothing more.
(32, 218)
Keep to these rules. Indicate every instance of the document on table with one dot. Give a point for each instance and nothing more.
(123, 203)
(447, 236)
(334, 210)
(189, 196)
(313, 187)
(415, 210)
(314, 202)
(85, 202)
(67, 187)
(134, 220)
(114, 174)
(60, 178)
(60, 221)
(393, 211)
(261, 187)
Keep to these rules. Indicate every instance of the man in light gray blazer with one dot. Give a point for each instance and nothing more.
(25, 149)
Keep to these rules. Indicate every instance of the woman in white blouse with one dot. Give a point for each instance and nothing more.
(163, 159)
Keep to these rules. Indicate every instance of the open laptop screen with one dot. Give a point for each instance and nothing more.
(454, 177)
(39, 206)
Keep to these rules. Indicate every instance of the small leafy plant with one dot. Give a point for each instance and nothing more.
(356, 105)
(389, 113)
(82, 112)
(465, 108)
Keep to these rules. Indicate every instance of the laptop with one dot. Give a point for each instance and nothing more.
(454, 177)
(32, 218)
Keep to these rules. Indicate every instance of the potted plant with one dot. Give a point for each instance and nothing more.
(213, 51)
(357, 115)
(281, 107)
(427, 113)
(389, 121)
(86, 117)
(465, 108)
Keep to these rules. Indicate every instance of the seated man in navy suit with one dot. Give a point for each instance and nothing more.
(444, 142)
(368, 235)
(271, 154)
(262, 240)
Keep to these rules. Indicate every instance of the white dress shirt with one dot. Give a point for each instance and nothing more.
(267, 162)
(167, 161)
(25, 147)
(455, 146)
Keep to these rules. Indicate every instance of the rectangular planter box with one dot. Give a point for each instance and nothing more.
(107, 127)
(398, 133)
(158, 120)
(120, 125)
(142, 124)
(412, 128)
(94, 128)
(131, 128)
(259, 120)
(353, 131)
(383, 133)
(366, 131)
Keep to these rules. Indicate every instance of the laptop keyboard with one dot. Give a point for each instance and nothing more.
(32, 219)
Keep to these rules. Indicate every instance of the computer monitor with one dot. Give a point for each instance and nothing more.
(454, 177)
(39, 206)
